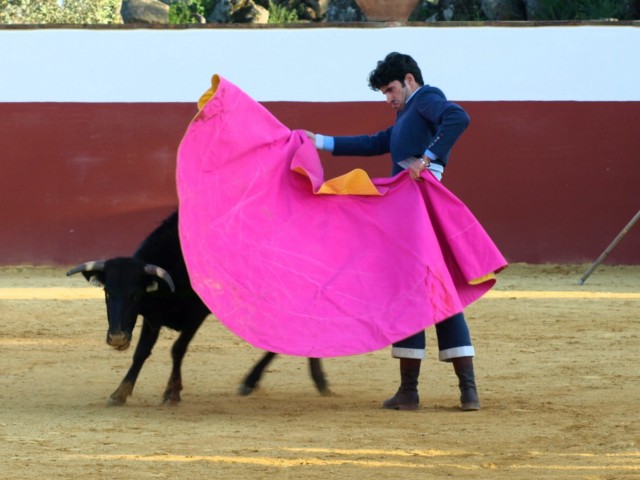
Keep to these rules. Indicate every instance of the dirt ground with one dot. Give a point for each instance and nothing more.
(557, 368)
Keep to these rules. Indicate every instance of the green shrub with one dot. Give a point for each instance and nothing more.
(281, 14)
(67, 12)
(581, 9)
(189, 11)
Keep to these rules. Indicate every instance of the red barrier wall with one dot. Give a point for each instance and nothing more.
(550, 181)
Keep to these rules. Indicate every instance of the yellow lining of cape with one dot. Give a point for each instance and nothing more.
(355, 182)
(486, 278)
(209, 94)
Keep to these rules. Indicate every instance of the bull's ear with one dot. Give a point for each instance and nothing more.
(160, 273)
(152, 286)
(94, 279)
(93, 272)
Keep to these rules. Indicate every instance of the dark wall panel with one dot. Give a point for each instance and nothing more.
(550, 181)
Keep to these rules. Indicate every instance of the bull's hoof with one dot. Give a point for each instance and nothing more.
(171, 397)
(119, 397)
(323, 388)
(171, 400)
(116, 401)
(246, 390)
(327, 392)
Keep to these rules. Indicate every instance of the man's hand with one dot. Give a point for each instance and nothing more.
(418, 166)
(310, 135)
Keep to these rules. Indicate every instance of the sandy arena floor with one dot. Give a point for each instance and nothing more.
(558, 368)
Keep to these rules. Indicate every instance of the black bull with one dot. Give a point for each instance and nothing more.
(154, 283)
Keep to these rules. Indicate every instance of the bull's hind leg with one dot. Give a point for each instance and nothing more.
(250, 382)
(319, 378)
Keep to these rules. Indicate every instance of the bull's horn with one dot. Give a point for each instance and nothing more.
(97, 265)
(160, 273)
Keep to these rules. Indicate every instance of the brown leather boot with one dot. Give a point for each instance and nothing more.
(469, 400)
(406, 398)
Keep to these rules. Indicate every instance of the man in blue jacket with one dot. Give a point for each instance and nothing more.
(426, 128)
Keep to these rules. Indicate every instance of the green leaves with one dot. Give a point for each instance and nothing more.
(281, 14)
(63, 12)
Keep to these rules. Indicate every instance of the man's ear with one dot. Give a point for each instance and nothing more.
(409, 79)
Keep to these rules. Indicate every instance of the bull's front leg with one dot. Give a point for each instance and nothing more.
(148, 338)
(174, 386)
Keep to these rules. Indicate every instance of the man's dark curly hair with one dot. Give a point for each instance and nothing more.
(395, 66)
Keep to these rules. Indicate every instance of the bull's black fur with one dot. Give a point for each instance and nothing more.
(127, 294)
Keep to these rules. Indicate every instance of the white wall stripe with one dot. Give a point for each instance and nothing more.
(485, 63)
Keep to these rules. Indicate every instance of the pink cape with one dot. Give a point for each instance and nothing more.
(296, 265)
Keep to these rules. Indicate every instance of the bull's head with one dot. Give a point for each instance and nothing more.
(125, 281)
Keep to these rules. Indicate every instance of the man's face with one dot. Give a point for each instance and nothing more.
(396, 94)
